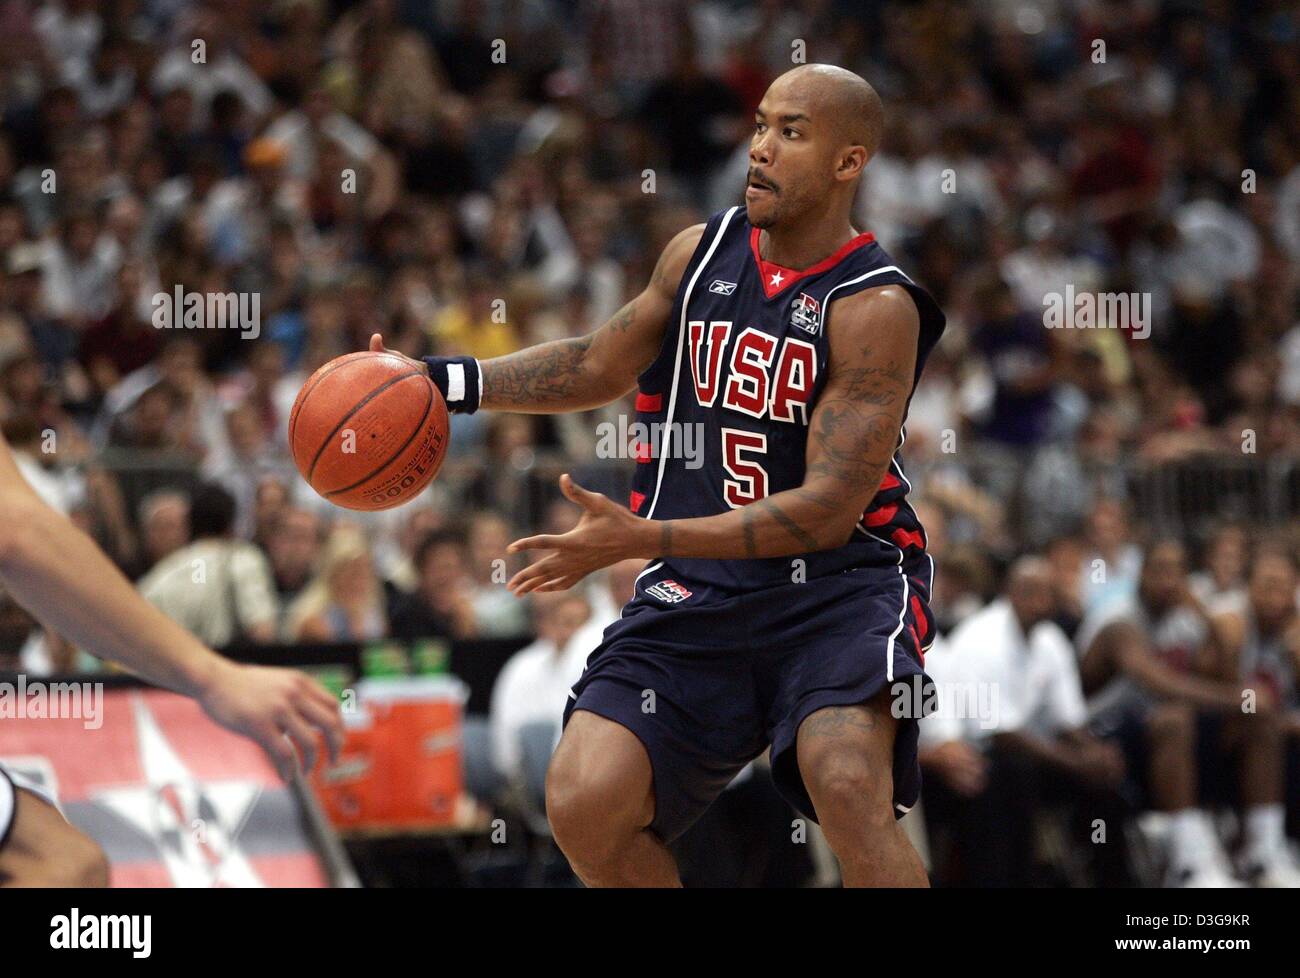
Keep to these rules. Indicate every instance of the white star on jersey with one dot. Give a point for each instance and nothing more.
(776, 279)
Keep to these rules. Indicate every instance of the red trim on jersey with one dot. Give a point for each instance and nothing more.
(919, 614)
(917, 642)
(635, 500)
(789, 276)
(642, 451)
(881, 516)
(890, 481)
(908, 538)
(649, 403)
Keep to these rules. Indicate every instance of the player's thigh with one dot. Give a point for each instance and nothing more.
(601, 767)
(44, 849)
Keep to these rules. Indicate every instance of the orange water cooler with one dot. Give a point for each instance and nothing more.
(401, 763)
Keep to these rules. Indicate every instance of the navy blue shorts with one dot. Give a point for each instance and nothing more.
(707, 687)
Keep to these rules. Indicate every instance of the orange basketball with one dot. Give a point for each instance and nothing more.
(369, 430)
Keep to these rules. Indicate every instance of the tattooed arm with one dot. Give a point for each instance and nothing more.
(853, 433)
(588, 371)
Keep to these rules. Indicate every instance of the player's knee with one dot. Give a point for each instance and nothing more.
(846, 789)
(584, 810)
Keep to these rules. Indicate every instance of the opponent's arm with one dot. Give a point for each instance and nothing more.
(55, 570)
(853, 433)
(578, 373)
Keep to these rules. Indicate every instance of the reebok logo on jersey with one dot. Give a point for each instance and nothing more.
(721, 287)
(806, 313)
(670, 592)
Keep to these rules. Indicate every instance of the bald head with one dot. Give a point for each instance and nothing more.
(850, 103)
(815, 129)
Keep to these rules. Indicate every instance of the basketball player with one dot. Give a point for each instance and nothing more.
(56, 572)
(787, 580)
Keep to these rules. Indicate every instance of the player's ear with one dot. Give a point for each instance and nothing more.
(852, 160)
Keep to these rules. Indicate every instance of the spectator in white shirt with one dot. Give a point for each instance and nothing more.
(219, 588)
(1008, 736)
(534, 685)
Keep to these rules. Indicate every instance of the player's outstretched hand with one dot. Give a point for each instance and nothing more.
(274, 707)
(606, 533)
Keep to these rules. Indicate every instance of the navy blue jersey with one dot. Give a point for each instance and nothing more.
(743, 362)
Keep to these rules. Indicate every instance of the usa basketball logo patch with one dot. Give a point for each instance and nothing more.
(669, 592)
(806, 313)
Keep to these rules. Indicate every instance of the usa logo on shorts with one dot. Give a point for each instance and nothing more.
(806, 313)
(669, 592)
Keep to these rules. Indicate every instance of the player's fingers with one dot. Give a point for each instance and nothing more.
(543, 541)
(321, 695)
(527, 575)
(326, 719)
(376, 343)
(559, 584)
(279, 750)
(303, 737)
(583, 497)
(528, 584)
(532, 577)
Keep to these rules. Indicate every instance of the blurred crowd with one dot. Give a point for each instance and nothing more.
(475, 176)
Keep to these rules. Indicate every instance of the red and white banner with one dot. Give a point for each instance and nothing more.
(174, 799)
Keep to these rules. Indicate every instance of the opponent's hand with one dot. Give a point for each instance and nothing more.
(606, 533)
(277, 708)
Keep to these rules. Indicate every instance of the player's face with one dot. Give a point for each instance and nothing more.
(790, 159)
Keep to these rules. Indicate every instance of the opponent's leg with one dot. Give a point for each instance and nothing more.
(600, 802)
(43, 849)
(846, 759)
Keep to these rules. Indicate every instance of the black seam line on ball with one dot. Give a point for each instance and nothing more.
(315, 382)
(409, 438)
(362, 403)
